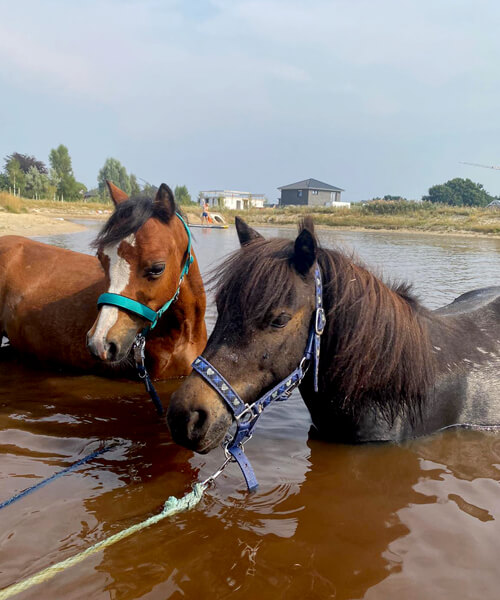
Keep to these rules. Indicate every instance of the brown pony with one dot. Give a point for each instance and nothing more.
(389, 368)
(48, 295)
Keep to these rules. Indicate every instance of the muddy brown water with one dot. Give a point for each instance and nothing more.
(415, 521)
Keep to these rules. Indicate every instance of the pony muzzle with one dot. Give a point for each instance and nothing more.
(111, 337)
(196, 417)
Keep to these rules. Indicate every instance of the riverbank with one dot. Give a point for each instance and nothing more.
(407, 217)
(42, 217)
(19, 216)
(32, 225)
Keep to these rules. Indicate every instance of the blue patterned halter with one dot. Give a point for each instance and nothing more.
(246, 415)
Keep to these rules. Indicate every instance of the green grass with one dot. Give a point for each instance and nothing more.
(380, 215)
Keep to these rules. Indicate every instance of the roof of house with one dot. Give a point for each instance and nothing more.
(494, 203)
(311, 184)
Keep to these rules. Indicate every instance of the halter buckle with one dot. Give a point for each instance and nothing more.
(138, 349)
(320, 322)
(249, 410)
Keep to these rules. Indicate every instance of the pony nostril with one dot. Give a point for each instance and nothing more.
(112, 351)
(197, 423)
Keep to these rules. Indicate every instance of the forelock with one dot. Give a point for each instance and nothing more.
(128, 218)
(255, 280)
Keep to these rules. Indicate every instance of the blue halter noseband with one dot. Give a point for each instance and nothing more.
(153, 316)
(246, 415)
(140, 309)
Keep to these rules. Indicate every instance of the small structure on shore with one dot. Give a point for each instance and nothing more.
(311, 192)
(494, 204)
(231, 199)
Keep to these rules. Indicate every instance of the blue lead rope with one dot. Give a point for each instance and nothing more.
(44, 482)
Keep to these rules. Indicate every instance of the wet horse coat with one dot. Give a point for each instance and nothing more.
(390, 369)
(48, 295)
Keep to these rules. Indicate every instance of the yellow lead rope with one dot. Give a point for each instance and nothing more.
(171, 507)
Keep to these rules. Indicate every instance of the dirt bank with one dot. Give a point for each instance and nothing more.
(34, 224)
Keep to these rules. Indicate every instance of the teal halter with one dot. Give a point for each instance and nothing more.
(140, 309)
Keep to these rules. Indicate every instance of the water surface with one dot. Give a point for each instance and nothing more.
(415, 521)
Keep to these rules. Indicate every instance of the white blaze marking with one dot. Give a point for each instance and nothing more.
(119, 275)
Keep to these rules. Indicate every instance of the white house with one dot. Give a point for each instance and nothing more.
(232, 199)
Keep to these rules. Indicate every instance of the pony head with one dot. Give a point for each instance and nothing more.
(265, 301)
(141, 249)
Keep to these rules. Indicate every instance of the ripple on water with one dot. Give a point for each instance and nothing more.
(413, 521)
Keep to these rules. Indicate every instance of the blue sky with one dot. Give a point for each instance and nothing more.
(382, 97)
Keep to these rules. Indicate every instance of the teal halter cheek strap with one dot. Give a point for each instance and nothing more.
(143, 311)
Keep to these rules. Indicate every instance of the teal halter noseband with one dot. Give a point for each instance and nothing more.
(140, 309)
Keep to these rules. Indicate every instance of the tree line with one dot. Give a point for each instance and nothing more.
(24, 175)
(455, 192)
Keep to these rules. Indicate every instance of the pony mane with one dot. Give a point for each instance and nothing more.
(129, 216)
(375, 346)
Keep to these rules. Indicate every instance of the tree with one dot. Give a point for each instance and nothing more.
(182, 196)
(149, 190)
(113, 171)
(4, 181)
(54, 181)
(459, 192)
(60, 161)
(15, 176)
(389, 198)
(27, 162)
(135, 188)
(36, 183)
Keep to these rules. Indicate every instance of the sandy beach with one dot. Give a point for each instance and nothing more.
(45, 221)
(34, 224)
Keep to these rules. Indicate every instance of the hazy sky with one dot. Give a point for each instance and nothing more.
(376, 97)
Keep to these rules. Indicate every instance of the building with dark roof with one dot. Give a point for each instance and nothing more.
(311, 192)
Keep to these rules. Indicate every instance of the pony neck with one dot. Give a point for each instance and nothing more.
(376, 340)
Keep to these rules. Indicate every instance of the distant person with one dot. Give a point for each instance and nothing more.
(205, 217)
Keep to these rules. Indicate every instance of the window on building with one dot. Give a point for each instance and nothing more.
(315, 192)
(299, 193)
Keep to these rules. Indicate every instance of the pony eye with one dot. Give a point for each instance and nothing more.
(155, 270)
(281, 320)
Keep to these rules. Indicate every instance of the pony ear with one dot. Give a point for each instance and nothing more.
(245, 233)
(117, 195)
(165, 199)
(304, 252)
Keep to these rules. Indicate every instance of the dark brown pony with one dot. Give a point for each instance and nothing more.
(389, 369)
(48, 295)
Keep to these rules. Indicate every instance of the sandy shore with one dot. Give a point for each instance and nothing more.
(45, 222)
(33, 224)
